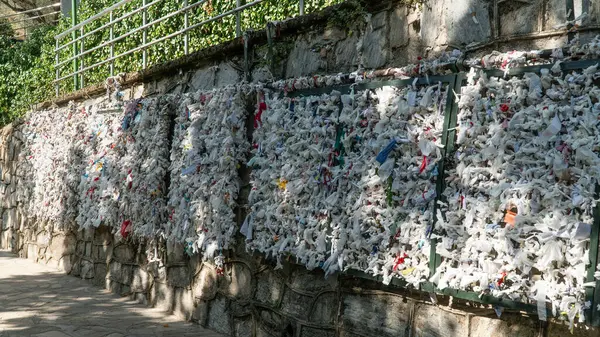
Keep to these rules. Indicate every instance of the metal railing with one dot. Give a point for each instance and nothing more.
(22, 23)
(79, 33)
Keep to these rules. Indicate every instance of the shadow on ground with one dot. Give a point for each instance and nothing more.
(37, 301)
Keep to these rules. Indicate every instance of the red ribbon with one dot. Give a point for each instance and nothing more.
(262, 106)
(423, 165)
(400, 260)
(124, 226)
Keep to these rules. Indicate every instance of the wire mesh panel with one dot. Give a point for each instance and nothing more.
(519, 206)
(345, 177)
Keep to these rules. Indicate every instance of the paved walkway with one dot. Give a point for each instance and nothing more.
(39, 301)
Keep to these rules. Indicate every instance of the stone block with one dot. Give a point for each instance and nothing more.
(32, 252)
(556, 13)
(313, 332)
(303, 59)
(398, 27)
(262, 74)
(42, 239)
(183, 304)
(87, 270)
(200, 313)
(5, 239)
(433, 24)
(227, 75)
(374, 48)
(433, 322)
(561, 329)
(126, 274)
(379, 20)
(65, 264)
(519, 17)
(115, 271)
(218, 316)
(594, 18)
(169, 85)
(311, 281)
(270, 322)
(175, 252)
(62, 245)
(243, 327)
(325, 309)
(140, 281)
(263, 332)
(203, 79)
(88, 249)
(88, 234)
(9, 218)
(237, 282)
(333, 33)
(124, 253)
(100, 272)
(5, 223)
(102, 236)
(294, 304)
(80, 247)
(370, 315)
(179, 276)
(76, 269)
(162, 296)
(205, 284)
(468, 21)
(269, 287)
(141, 298)
(505, 327)
(346, 53)
(114, 287)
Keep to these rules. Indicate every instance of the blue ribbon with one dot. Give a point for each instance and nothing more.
(383, 155)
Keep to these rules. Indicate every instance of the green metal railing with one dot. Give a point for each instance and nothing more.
(81, 31)
(454, 82)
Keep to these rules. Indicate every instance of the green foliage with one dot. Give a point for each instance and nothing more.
(25, 72)
(351, 13)
(27, 68)
(6, 28)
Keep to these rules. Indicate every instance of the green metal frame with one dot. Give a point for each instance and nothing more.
(456, 82)
(74, 21)
(592, 294)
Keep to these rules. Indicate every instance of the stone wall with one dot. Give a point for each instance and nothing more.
(252, 298)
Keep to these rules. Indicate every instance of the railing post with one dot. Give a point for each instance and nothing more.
(144, 36)
(238, 19)
(186, 37)
(112, 45)
(301, 7)
(81, 63)
(74, 36)
(57, 60)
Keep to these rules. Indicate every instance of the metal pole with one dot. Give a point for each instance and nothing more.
(155, 41)
(74, 36)
(571, 11)
(238, 19)
(112, 45)
(30, 11)
(144, 37)
(301, 7)
(57, 86)
(186, 36)
(81, 65)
